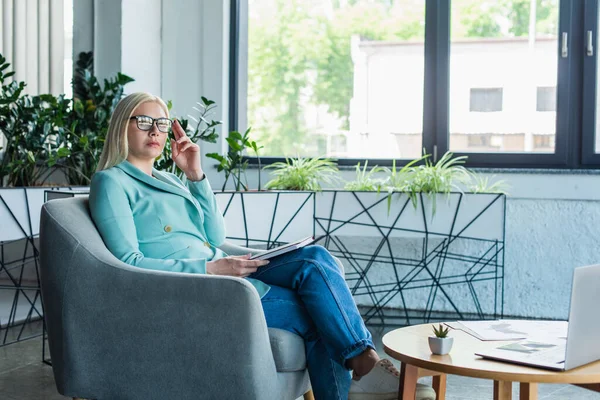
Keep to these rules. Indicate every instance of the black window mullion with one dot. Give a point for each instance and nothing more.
(436, 30)
(569, 88)
(443, 79)
(589, 85)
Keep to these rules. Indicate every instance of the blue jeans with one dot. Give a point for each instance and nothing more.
(309, 297)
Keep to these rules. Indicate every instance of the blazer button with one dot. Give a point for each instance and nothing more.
(168, 228)
(207, 244)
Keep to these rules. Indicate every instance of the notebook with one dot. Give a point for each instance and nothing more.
(286, 248)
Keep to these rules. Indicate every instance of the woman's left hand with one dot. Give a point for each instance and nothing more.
(186, 154)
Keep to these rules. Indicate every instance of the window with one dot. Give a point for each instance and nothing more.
(26, 46)
(546, 99)
(350, 70)
(485, 100)
(489, 79)
(497, 51)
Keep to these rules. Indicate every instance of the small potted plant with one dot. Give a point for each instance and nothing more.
(440, 343)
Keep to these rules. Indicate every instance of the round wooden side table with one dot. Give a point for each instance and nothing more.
(409, 345)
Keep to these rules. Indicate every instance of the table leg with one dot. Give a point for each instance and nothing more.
(439, 385)
(408, 382)
(502, 390)
(528, 391)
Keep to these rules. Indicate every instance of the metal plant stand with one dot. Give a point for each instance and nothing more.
(20, 298)
(450, 263)
(456, 252)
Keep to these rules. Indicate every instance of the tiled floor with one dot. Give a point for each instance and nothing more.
(23, 377)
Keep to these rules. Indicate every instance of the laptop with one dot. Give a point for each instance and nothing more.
(582, 344)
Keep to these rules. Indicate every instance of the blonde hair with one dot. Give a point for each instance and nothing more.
(116, 147)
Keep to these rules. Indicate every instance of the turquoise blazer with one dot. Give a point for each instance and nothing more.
(158, 223)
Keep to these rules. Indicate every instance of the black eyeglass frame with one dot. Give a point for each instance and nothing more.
(154, 121)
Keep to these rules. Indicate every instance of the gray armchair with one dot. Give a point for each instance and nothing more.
(120, 332)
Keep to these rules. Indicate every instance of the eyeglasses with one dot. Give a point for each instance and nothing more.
(144, 123)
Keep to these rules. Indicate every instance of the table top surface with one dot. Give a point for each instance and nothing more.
(410, 345)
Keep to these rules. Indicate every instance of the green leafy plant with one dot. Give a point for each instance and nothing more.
(31, 126)
(302, 174)
(441, 331)
(87, 122)
(46, 132)
(233, 164)
(365, 181)
(399, 180)
(205, 129)
(482, 184)
(441, 177)
(430, 178)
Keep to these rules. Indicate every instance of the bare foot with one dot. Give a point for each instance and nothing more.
(363, 363)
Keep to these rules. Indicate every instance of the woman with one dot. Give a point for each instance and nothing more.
(151, 219)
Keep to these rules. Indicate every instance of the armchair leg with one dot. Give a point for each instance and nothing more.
(309, 395)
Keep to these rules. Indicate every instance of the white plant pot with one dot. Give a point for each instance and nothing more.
(440, 346)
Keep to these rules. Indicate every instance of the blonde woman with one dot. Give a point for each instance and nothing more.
(151, 219)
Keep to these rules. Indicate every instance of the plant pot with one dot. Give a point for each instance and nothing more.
(440, 346)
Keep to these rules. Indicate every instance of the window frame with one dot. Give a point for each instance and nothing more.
(575, 107)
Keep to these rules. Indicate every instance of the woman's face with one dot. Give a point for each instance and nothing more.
(146, 145)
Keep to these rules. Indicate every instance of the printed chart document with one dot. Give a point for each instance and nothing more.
(506, 329)
(286, 248)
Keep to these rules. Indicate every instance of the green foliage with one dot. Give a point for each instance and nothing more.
(441, 177)
(364, 180)
(87, 121)
(482, 184)
(302, 174)
(445, 176)
(441, 331)
(205, 129)
(400, 181)
(502, 18)
(45, 132)
(233, 164)
(31, 126)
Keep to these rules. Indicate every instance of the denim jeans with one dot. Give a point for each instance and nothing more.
(309, 297)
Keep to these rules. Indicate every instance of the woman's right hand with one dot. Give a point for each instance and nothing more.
(238, 266)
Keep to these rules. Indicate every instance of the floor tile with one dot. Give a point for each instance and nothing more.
(24, 377)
